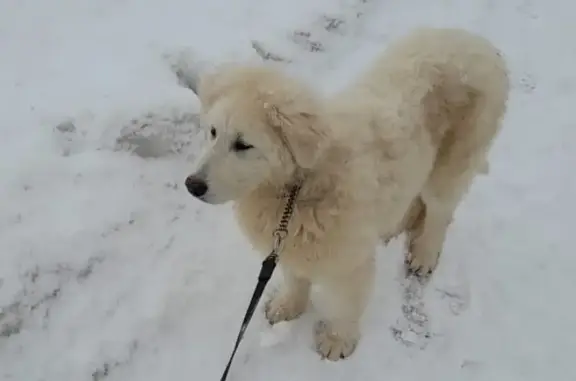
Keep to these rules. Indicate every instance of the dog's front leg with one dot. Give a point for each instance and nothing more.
(290, 301)
(337, 335)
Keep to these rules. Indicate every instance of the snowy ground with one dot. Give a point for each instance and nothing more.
(110, 271)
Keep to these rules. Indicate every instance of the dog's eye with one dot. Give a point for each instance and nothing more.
(240, 145)
(213, 132)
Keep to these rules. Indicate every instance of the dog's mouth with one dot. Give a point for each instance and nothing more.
(207, 198)
(203, 199)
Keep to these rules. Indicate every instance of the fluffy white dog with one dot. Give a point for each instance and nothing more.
(396, 151)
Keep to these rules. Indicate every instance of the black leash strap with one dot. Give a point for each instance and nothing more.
(268, 266)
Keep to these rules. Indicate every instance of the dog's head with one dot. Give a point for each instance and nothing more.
(262, 127)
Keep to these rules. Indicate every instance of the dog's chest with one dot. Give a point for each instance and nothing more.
(258, 220)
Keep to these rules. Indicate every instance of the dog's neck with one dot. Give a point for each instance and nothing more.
(284, 192)
(315, 185)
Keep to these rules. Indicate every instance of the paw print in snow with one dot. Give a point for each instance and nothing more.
(304, 39)
(67, 137)
(160, 134)
(526, 83)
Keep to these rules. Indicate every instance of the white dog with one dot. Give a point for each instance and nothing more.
(394, 152)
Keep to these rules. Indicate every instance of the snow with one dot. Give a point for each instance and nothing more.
(110, 271)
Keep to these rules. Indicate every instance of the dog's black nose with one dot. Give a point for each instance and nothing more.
(196, 186)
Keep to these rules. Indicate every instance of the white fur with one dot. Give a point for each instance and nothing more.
(394, 152)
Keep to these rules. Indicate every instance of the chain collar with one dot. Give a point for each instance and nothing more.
(281, 232)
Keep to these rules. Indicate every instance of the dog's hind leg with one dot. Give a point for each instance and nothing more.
(461, 156)
(413, 214)
(425, 238)
(445, 189)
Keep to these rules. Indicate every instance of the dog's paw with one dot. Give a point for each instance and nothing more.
(421, 263)
(284, 307)
(333, 345)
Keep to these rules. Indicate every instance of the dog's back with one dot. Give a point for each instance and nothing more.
(429, 57)
(440, 96)
(461, 82)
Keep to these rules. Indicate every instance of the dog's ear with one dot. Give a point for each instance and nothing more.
(216, 83)
(301, 132)
(207, 81)
(188, 68)
(189, 80)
